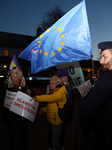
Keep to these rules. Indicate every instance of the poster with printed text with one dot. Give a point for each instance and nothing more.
(84, 88)
(24, 107)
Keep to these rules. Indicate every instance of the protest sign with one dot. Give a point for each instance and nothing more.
(84, 88)
(75, 72)
(24, 107)
(9, 97)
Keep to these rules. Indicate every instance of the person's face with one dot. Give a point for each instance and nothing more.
(53, 84)
(15, 79)
(64, 79)
(98, 73)
(106, 60)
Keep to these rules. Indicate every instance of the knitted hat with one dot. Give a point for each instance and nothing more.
(63, 72)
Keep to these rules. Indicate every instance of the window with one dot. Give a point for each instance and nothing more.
(6, 52)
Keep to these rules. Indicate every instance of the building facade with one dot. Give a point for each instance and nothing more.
(12, 44)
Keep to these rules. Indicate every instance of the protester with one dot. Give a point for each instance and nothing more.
(98, 73)
(67, 81)
(58, 94)
(12, 120)
(64, 76)
(96, 110)
(89, 76)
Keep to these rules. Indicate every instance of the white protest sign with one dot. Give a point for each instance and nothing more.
(75, 72)
(9, 97)
(24, 107)
(84, 88)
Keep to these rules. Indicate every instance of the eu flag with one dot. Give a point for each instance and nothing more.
(67, 40)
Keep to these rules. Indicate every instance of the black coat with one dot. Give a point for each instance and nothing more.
(8, 116)
(96, 110)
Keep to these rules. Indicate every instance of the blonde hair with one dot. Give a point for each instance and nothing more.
(57, 79)
(18, 72)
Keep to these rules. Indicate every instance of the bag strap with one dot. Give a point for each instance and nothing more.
(57, 103)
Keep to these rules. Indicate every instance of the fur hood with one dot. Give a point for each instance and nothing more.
(23, 83)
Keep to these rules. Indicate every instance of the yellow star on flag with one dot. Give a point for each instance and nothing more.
(59, 49)
(63, 43)
(63, 35)
(54, 27)
(53, 53)
(59, 29)
(40, 51)
(39, 45)
(41, 35)
(46, 53)
(48, 30)
(39, 41)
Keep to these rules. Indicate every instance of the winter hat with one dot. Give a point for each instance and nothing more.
(63, 72)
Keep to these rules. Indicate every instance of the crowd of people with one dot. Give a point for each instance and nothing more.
(60, 92)
(95, 114)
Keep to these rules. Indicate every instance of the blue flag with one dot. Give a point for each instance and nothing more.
(67, 40)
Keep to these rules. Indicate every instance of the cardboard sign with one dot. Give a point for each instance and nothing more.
(24, 107)
(75, 72)
(9, 97)
(84, 88)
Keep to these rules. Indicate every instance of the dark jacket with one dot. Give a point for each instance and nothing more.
(8, 116)
(96, 110)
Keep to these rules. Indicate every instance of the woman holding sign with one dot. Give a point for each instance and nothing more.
(58, 94)
(17, 83)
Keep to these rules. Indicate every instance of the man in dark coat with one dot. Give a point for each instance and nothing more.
(96, 110)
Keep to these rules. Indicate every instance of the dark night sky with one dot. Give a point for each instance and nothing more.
(24, 16)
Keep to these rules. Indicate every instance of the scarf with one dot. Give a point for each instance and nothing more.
(52, 91)
(17, 86)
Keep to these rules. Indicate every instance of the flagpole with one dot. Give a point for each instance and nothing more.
(93, 67)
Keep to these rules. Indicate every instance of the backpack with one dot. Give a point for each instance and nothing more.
(66, 113)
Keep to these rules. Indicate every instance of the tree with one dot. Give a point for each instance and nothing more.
(39, 31)
(49, 18)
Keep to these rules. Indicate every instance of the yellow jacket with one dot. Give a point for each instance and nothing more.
(59, 96)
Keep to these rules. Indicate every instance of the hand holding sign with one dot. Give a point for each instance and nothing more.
(34, 98)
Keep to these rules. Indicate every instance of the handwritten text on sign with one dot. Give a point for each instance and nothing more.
(24, 107)
(84, 88)
(9, 97)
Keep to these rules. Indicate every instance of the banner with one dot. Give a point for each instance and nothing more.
(9, 98)
(84, 88)
(75, 72)
(24, 107)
